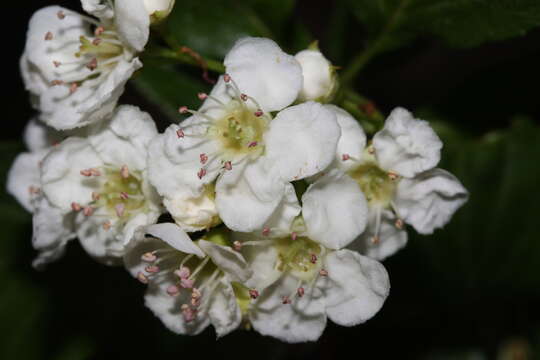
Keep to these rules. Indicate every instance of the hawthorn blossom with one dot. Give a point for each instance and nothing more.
(190, 283)
(75, 66)
(235, 144)
(301, 274)
(99, 184)
(397, 173)
(320, 78)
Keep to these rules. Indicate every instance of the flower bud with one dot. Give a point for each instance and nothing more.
(158, 9)
(320, 79)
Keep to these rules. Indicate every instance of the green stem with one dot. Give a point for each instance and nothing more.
(374, 48)
(176, 56)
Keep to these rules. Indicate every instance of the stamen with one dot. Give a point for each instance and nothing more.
(183, 272)
(187, 283)
(399, 224)
(92, 65)
(345, 157)
(226, 78)
(258, 113)
(371, 150)
(227, 165)
(180, 133)
(99, 30)
(202, 96)
(323, 272)
(75, 206)
(95, 196)
(285, 300)
(106, 225)
(204, 158)
(199, 268)
(57, 63)
(73, 87)
(188, 313)
(49, 35)
(124, 195)
(61, 15)
(96, 41)
(173, 290)
(253, 294)
(266, 231)
(152, 269)
(149, 257)
(57, 82)
(252, 144)
(201, 173)
(237, 245)
(376, 239)
(142, 278)
(313, 259)
(33, 190)
(88, 210)
(300, 291)
(119, 209)
(183, 109)
(124, 171)
(392, 175)
(294, 236)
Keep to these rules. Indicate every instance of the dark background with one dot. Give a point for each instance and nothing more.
(469, 290)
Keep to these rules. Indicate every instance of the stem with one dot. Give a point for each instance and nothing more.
(375, 47)
(163, 53)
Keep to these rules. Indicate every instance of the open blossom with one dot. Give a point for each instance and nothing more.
(301, 276)
(75, 66)
(233, 139)
(100, 184)
(397, 173)
(189, 282)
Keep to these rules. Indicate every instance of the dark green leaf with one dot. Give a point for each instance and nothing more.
(461, 23)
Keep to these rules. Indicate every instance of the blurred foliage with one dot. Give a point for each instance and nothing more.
(461, 293)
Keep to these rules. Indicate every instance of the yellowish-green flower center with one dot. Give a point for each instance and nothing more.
(122, 196)
(103, 48)
(376, 184)
(240, 131)
(298, 256)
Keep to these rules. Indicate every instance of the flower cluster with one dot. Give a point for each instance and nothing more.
(280, 206)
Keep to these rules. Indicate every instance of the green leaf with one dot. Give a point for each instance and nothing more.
(460, 23)
(492, 242)
(211, 27)
(168, 88)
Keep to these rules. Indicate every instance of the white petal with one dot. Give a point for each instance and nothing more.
(263, 71)
(357, 287)
(39, 136)
(429, 200)
(228, 260)
(193, 213)
(303, 320)
(94, 100)
(288, 209)
(247, 197)
(390, 238)
(141, 219)
(106, 246)
(262, 261)
(167, 308)
(98, 8)
(125, 138)
(174, 163)
(133, 22)
(302, 140)
(320, 80)
(335, 210)
(23, 176)
(61, 180)
(406, 146)
(173, 235)
(34, 81)
(52, 229)
(224, 312)
(352, 141)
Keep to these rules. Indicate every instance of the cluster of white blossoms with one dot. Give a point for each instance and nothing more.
(280, 207)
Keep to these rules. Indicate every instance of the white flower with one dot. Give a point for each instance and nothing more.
(75, 66)
(320, 78)
(189, 283)
(233, 138)
(102, 180)
(398, 176)
(52, 230)
(300, 275)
